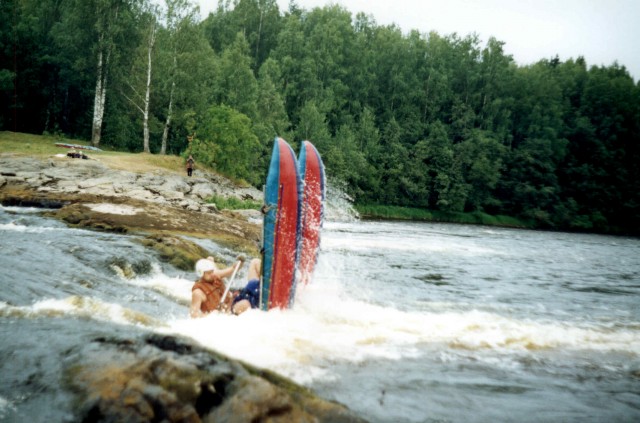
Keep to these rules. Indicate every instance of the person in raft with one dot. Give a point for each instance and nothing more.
(249, 296)
(207, 292)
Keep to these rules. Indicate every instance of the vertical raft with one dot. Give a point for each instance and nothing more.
(312, 174)
(281, 228)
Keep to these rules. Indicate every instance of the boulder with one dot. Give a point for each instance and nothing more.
(202, 191)
(169, 379)
(150, 179)
(177, 184)
(93, 182)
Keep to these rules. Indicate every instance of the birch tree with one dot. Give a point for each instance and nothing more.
(106, 27)
(140, 88)
(151, 41)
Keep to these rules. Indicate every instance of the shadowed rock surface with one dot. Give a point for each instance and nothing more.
(163, 378)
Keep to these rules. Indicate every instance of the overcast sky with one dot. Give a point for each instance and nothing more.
(602, 31)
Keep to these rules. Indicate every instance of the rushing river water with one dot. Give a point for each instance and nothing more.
(404, 322)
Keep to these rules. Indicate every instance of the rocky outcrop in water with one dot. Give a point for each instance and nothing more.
(163, 378)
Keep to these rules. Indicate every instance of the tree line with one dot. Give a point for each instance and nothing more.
(433, 121)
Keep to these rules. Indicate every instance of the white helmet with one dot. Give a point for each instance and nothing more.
(204, 265)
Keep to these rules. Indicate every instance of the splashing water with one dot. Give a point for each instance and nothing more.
(338, 204)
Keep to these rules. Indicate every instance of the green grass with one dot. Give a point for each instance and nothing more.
(44, 145)
(233, 203)
(408, 213)
(29, 144)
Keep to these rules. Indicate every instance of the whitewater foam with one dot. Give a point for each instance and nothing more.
(84, 307)
(302, 342)
(16, 227)
(176, 288)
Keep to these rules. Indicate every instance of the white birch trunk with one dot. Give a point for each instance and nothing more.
(100, 96)
(147, 95)
(98, 108)
(167, 123)
(99, 102)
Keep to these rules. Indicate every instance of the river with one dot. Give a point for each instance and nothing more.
(403, 322)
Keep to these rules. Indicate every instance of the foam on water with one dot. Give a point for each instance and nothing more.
(325, 328)
(328, 327)
(176, 288)
(23, 210)
(83, 307)
(6, 407)
(404, 244)
(16, 227)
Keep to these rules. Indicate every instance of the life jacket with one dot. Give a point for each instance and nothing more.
(213, 292)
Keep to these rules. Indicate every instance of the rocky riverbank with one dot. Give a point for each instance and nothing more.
(158, 203)
(154, 378)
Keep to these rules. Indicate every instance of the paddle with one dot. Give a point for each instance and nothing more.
(226, 291)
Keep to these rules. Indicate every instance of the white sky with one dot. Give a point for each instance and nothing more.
(602, 31)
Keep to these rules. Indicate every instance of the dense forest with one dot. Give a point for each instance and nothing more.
(433, 121)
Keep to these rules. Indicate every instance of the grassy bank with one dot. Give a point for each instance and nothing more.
(407, 213)
(45, 145)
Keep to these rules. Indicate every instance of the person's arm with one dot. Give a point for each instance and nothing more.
(223, 273)
(254, 269)
(197, 297)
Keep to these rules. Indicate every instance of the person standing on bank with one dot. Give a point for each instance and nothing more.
(208, 290)
(190, 163)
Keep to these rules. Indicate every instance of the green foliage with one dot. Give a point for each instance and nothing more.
(234, 203)
(236, 84)
(480, 157)
(226, 143)
(408, 213)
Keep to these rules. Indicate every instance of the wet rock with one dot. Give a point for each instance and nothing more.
(164, 378)
(180, 252)
(256, 399)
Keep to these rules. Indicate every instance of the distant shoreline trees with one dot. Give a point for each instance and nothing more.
(432, 121)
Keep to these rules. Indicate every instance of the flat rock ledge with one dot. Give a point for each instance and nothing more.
(64, 175)
(87, 193)
(168, 379)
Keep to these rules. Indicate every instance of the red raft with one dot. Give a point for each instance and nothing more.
(281, 228)
(312, 174)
